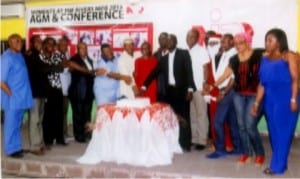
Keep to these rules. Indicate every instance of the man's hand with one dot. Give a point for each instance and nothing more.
(206, 89)
(136, 91)
(65, 62)
(5, 88)
(100, 71)
(220, 96)
(127, 79)
(71, 65)
(189, 96)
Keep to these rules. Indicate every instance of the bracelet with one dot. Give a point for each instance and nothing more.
(293, 100)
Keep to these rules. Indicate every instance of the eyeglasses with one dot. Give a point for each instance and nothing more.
(212, 43)
(239, 43)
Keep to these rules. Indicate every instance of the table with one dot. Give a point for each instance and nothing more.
(136, 136)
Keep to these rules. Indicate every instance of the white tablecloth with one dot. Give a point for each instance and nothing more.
(136, 136)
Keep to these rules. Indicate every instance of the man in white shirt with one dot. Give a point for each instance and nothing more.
(225, 110)
(198, 106)
(65, 78)
(126, 67)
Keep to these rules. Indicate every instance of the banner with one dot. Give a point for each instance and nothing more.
(111, 22)
(75, 15)
(95, 36)
(176, 16)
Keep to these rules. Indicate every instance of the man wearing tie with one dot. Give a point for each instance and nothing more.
(177, 71)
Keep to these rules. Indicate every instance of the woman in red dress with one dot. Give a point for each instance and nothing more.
(143, 67)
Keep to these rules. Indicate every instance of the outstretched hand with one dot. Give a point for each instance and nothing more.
(127, 79)
(100, 71)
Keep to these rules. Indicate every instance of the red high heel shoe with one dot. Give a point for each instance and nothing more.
(244, 159)
(259, 160)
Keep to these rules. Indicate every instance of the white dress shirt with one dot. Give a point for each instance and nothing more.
(171, 67)
(224, 61)
(87, 64)
(65, 78)
(199, 57)
(126, 67)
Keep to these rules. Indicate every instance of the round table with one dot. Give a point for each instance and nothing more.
(136, 136)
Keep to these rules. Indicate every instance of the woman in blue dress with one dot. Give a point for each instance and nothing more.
(279, 88)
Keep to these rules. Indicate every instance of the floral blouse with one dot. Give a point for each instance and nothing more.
(53, 77)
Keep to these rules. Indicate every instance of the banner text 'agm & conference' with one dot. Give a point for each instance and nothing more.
(83, 14)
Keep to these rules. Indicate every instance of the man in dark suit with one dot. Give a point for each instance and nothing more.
(81, 92)
(159, 54)
(177, 71)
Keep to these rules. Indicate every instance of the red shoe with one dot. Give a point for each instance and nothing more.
(244, 159)
(259, 160)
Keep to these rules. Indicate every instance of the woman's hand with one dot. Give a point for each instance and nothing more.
(254, 108)
(294, 106)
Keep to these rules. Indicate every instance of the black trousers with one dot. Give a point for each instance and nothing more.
(53, 117)
(81, 115)
(177, 99)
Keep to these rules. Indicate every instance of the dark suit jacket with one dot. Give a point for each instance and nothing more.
(183, 72)
(38, 73)
(161, 88)
(81, 87)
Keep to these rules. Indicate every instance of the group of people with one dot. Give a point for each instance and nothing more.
(219, 90)
(45, 79)
(265, 81)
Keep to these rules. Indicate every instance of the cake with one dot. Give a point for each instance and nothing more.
(135, 103)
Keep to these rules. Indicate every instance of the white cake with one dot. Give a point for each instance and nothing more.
(135, 103)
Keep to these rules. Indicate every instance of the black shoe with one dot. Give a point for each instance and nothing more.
(200, 147)
(81, 140)
(18, 154)
(88, 136)
(268, 171)
(186, 149)
(63, 143)
(47, 147)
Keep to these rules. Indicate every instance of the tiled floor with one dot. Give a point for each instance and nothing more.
(190, 164)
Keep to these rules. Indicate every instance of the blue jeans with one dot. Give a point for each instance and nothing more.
(225, 112)
(247, 123)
